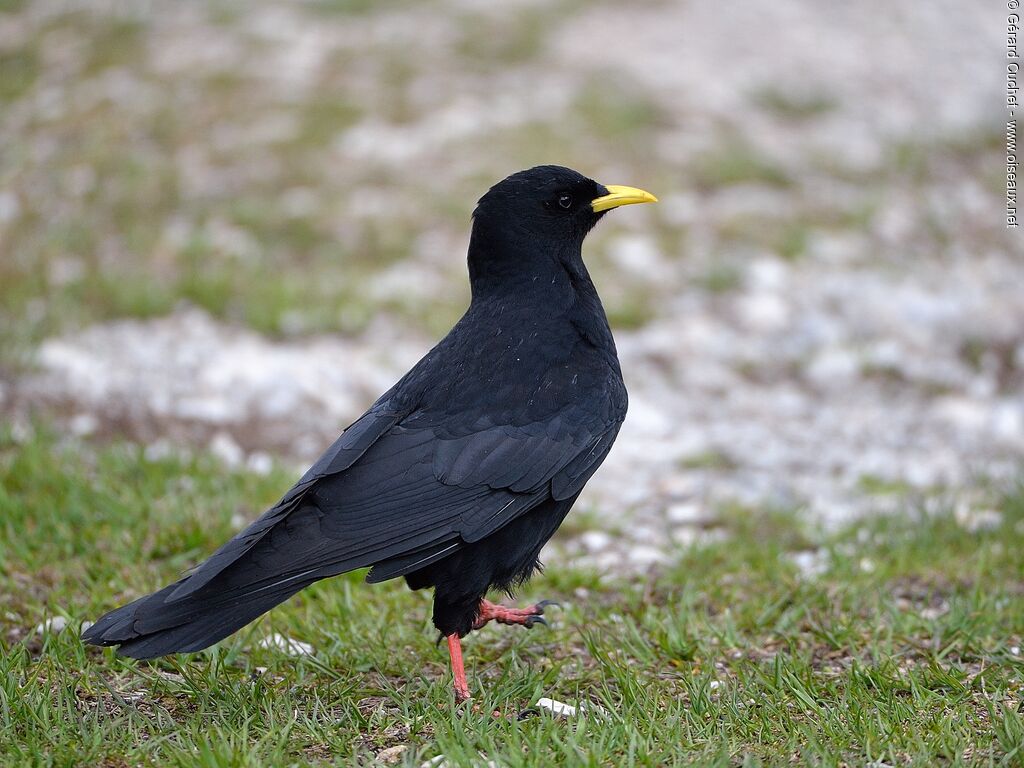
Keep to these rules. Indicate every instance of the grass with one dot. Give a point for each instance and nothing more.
(905, 650)
(794, 106)
(736, 162)
(130, 189)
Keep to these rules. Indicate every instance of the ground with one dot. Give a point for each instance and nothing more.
(900, 646)
(225, 228)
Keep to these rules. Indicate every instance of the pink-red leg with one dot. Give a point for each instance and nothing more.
(489, 611)
(527, 617)
(458, 668)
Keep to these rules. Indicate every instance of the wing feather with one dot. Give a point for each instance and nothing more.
(401, 488)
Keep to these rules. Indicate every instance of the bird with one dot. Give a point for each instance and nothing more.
(458, 475)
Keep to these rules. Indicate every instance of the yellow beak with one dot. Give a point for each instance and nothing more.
(619, 195)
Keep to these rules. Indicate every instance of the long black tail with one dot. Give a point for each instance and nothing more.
(243, 580)
(149, 627)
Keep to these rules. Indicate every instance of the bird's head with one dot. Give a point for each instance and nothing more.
(540, 213)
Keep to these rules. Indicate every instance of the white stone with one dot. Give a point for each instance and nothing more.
(67, 270)
(768, 274)
(595, 541)
(82, 424)
(684, 535)
(53, 625)
(685, 513)
(975, 520)
(392, 755)
(933, 612)
(636, 253)
(259, 462)
(810, 564)
(762, 311)
(1008, 422)
(289, 645)
(556, 708)
(10, 208)
(643, 556)
(834, 367)
(224, 447)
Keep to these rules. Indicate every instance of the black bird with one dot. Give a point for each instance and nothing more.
(458, 475)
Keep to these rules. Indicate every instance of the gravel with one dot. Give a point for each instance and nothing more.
(721, 412)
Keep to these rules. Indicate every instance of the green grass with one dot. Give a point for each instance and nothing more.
(904, 651)
(793, 105)
(736, 162)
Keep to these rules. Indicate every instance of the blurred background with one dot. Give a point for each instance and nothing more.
(229, 226)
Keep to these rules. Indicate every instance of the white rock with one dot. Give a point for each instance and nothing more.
(561, 709)
(83, 424)
(290, 646)
(832, 367)
(392, 755)
(962, 412)
(768, 274)
(643, 556)
(976, 520)
(259, 462)
(556, 708)
(595, 541)
(10, 208)
(53, 625)
(1008, 421)
(933, 612)
(224, 447)
(636, 253)
(763, 311)
(685, 513)
(64, 271)
(22, 431)
(684, 535)
(810, 564)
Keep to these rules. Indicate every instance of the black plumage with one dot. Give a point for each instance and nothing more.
(458, 475)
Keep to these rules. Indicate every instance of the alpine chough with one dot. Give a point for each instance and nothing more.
(457, 476)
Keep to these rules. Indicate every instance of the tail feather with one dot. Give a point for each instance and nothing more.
(150, 627)
(177, 619)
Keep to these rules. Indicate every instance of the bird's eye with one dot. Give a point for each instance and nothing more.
(565, 201)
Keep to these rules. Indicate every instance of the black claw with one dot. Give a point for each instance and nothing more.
(539, 607)
(528, 713)
(531, 620)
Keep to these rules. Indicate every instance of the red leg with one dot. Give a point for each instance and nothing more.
(458, 669)
(525, 616)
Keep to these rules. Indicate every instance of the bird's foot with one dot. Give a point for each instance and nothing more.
(527, 617)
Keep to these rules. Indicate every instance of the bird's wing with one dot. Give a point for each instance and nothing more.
(401, 490)
(344, 452)
(542, 460)
(420, 491)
